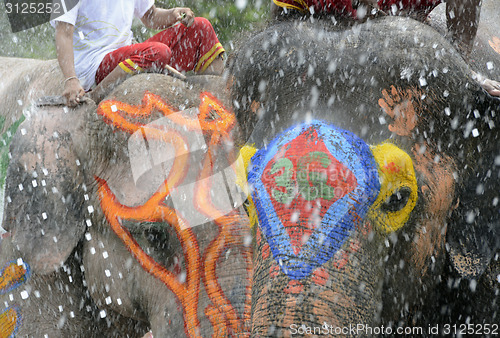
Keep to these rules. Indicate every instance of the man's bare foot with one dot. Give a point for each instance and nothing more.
(111, 81)
(216, 67)
(491, 86)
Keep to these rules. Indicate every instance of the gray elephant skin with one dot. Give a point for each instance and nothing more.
(311, 95)
(66, 271)
(373, 177)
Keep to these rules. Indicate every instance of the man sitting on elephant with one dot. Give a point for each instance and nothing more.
(94, 44)
(462, 18)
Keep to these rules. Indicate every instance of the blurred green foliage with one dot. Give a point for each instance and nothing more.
(5, 140)
(37, 42)
(231, 20)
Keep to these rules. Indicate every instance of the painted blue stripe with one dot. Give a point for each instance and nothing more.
(337, 223)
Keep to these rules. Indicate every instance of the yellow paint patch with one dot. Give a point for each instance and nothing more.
(398, 188)
(12, 275)
(242, 163)
(8, 323)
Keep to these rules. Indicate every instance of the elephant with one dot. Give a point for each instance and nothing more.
(370, 157)
(374, 179)
(115, 218)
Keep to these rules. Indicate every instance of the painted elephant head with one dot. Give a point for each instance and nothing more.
(375, 169)
(126, 216)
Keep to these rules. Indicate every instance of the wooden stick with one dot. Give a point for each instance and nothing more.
(175, 72)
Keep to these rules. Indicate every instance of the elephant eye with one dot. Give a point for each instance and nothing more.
(155, 236)
(397, 200)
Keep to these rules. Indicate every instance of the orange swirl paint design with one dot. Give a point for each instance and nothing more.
(9, 322)
(215, 122)
(11, 277)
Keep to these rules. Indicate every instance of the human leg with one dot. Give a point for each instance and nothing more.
(195, 48)
(126, 61)
(113, 79)
(216, 67)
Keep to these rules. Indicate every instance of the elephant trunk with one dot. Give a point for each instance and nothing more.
(341, 297)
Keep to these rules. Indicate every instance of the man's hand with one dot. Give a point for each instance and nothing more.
(184, 16)
(492, 87)
(73, 92)
(159, 18)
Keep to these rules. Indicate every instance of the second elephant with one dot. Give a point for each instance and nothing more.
(375, 179)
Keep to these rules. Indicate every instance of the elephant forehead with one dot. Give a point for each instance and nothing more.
(311, 186)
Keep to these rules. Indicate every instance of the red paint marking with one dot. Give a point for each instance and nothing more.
(354, 246)
(343, 258)
(320, 276)
(391, 167)
(343, 255)
(274, 271)
(177, 267)
(294, 287)
(337, 175)
(266, 251)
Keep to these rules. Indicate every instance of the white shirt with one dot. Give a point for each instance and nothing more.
(101, 26)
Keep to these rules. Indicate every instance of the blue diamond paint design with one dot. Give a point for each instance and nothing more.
(325, 158)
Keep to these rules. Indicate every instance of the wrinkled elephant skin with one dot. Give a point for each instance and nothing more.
(368, 144)
(127, 228)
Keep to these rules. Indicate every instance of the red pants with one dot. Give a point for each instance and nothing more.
(183, 48)
(345, 7)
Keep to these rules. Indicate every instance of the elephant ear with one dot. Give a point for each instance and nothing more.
(44, 191)
(473, 235)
